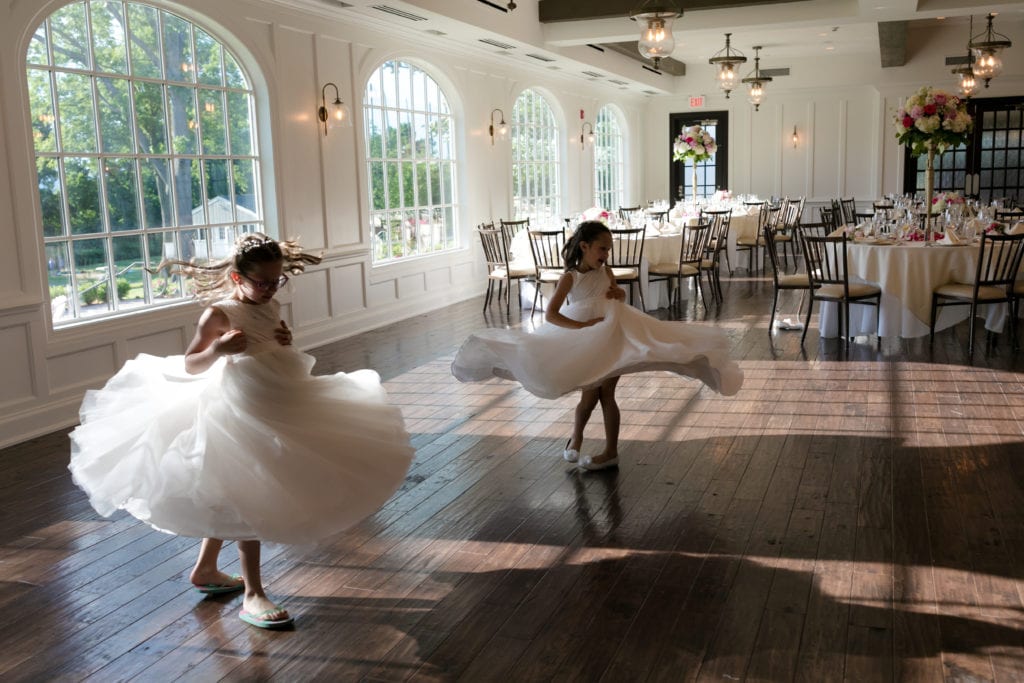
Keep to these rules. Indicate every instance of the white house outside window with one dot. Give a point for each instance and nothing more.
(535, 160)
(145, 147)
(609, 161)
(410, 159)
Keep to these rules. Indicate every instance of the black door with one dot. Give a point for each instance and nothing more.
(712, 174)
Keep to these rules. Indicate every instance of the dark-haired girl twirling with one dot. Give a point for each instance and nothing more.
(591, 343)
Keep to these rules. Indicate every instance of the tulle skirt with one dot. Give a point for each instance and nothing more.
(553, 360)
(255, 448)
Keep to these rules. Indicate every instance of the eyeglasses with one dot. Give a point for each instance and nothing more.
(266, 285)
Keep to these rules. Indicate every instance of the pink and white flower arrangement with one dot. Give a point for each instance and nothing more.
(932, 118)
(694, 143)
(944, 199)
(722, 196)
(596, 213)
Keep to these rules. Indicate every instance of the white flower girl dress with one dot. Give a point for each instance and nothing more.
(255, 448)
(553, 360)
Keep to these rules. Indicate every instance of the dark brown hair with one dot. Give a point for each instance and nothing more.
(587, 231)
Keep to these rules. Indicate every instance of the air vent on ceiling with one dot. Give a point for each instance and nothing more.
(336, 3)
(555, 68)
(593, 74)
(399, 13)
(612, 80)
(539, 57)
(435, 32)
(493, 5)
(775, 72)
(655, 71)
(650, 92)
(595, 47)
(957, 61)
(497, 43)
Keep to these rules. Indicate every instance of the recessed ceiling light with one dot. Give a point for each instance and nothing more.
(830, 47)
(940, 18)
(823, 34)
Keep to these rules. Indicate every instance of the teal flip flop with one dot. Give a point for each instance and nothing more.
(259, 621)
(217, 588)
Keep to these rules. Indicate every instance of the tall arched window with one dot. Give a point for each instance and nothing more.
(609, 160)
(410, 159)
(535, 165)
(145, 147)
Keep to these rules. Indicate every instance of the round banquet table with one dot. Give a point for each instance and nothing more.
(907, 274)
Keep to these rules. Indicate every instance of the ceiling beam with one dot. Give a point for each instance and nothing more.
(892, 43)
(551, 11)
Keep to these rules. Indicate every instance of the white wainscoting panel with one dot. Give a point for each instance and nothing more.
(166, 343)
(347, 284)
(310, 304)
(17, 384)
(86, 367)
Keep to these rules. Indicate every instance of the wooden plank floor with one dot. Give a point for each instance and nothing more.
(848, 516)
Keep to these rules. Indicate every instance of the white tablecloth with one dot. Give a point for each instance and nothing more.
(907, 274)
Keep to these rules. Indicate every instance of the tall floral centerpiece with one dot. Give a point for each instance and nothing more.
(693, 144)
(932, 121)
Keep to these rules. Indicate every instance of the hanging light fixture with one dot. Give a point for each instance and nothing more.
(727, 60)
(965, 72)
(757, 81)
(656, 39)
(986, 47)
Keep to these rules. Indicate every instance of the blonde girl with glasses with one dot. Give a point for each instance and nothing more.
(236, 439)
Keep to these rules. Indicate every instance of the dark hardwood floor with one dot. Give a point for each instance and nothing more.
(848, 516)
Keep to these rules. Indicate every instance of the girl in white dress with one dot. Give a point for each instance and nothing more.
(592, 342)
(236, 439)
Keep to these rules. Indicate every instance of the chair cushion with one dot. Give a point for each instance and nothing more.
(744, 242)
(958, 290)
(781, 237)
(671, 269)
(857, 290)
(501, 273)
(625, 273)
(1018, 288)
(707, 264)
(550, 275)
(795, 280)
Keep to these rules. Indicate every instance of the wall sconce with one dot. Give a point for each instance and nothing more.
(795, 138)
(338, 115)
(589, 136)
(502, 130)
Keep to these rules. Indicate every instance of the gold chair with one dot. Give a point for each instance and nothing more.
(691, 253)
(827, 272)
(780, 280)
(995, 281)
(546, 247)
(626, 257)
(767, 217)
(718, 241)
(499, 268)
(632, 216)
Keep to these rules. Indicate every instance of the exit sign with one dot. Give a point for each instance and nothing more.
(696, 102)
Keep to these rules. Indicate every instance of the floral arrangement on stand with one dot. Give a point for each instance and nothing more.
(930, 122)
(693, 144)
(596, 213)
(722, 196)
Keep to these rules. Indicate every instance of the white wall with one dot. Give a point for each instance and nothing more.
(315, 187)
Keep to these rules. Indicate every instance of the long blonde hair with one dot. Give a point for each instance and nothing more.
(213, 281)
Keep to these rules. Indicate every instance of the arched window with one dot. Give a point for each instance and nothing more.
(609, 161)
(145, 147)
(410, 159)
(535, 165)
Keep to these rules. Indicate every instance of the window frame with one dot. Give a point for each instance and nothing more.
(551, 157)
(617, 165)
(205, 163)
(446, 206)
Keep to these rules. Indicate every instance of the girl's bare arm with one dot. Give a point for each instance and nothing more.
(553, 316)
(214, 338)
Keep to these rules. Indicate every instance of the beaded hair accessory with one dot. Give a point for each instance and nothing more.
(249, 245)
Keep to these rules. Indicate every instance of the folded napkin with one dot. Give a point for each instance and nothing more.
(838, 232)
(951, 237)
(1017, 229)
